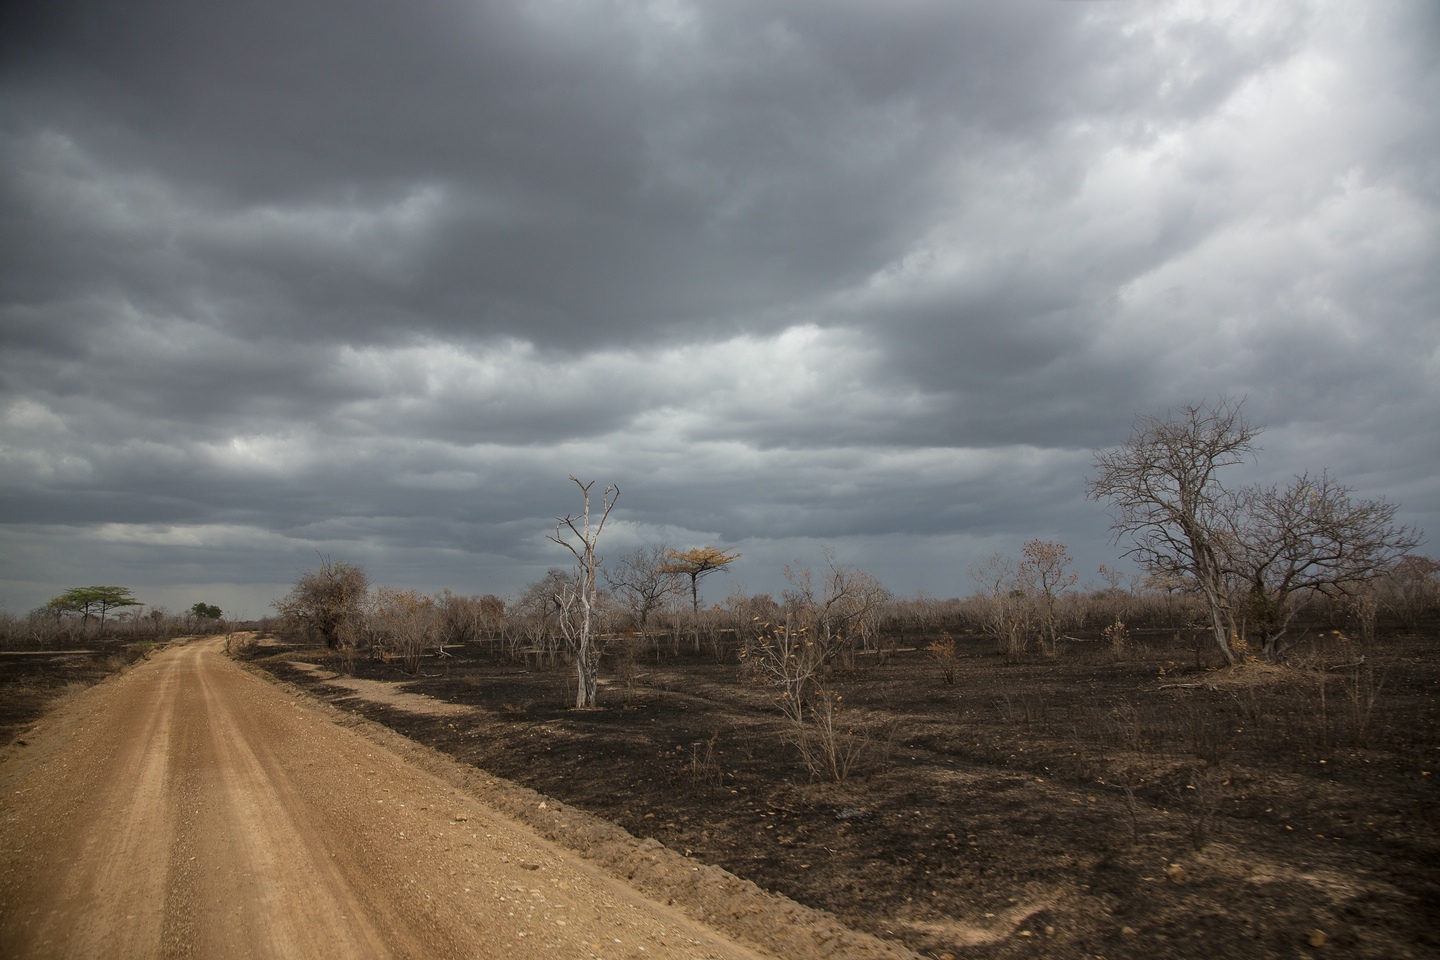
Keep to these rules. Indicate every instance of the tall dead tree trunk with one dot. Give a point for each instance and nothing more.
(580, 630)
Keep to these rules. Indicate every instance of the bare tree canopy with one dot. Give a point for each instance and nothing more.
(1166, 496)
(1045, 572)
(838, 606)
(327, 599)
(1310, 535)
(1268, 546)
(579, 625)
(643, 580)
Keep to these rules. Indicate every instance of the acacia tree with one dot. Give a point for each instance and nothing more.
(1308, 537)
(94, 601)
(580, 628)
(326, 600)
(1166, 496)
(696, 564)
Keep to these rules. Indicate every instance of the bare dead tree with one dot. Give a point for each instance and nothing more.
(534, 617)
(1045, 571)
(405, 623)
(581, 631)
(324, 600)
(643, 581)
(1166, 497)
(1410, 588)
(1005, 602)
(1306, 538)
(839, 605)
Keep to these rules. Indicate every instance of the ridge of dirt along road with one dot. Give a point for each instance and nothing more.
(189, 809)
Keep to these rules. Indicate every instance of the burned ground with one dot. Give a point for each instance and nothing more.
(1156, 806)
(32, 680)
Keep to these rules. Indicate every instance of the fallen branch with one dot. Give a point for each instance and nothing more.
(1344, 666)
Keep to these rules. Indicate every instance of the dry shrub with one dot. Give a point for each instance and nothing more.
(829, 743)
(1200, 801)
(943, 652)
(703, 764)
(1118, 637)
(1363, 686)
(1125, 724)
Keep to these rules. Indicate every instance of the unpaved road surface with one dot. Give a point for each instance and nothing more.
(189, 809)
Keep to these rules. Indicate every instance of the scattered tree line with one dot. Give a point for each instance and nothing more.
(831, 621)
(1246, 562)
(100, 613)
(831, 618)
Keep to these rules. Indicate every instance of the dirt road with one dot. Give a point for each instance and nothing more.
(189, 809)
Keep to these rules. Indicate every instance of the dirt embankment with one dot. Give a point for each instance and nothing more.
(188, 808)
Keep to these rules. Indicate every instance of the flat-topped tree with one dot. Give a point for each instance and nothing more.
(94, 601)
(695, 564)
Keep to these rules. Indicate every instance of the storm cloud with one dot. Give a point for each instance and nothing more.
(371, 279)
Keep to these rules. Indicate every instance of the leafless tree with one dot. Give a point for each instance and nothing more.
(642, 581)
(1044, 571)
(1166, 496)
(1411, 589)
(405, 624)
(1004, 604)
(534, 618)
(581, 628)
(1308, 537)
(323, 601)
(839, 606)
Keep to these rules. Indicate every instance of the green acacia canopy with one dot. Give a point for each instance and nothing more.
(94, 601)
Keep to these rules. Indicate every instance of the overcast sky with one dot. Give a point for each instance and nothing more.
(369, 279)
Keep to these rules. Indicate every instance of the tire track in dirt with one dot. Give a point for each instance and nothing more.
(273, 889)
(189, 809)
(132, 748)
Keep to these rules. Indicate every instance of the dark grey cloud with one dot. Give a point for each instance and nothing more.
(372, 279)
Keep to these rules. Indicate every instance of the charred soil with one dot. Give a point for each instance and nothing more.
(1155, 806)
